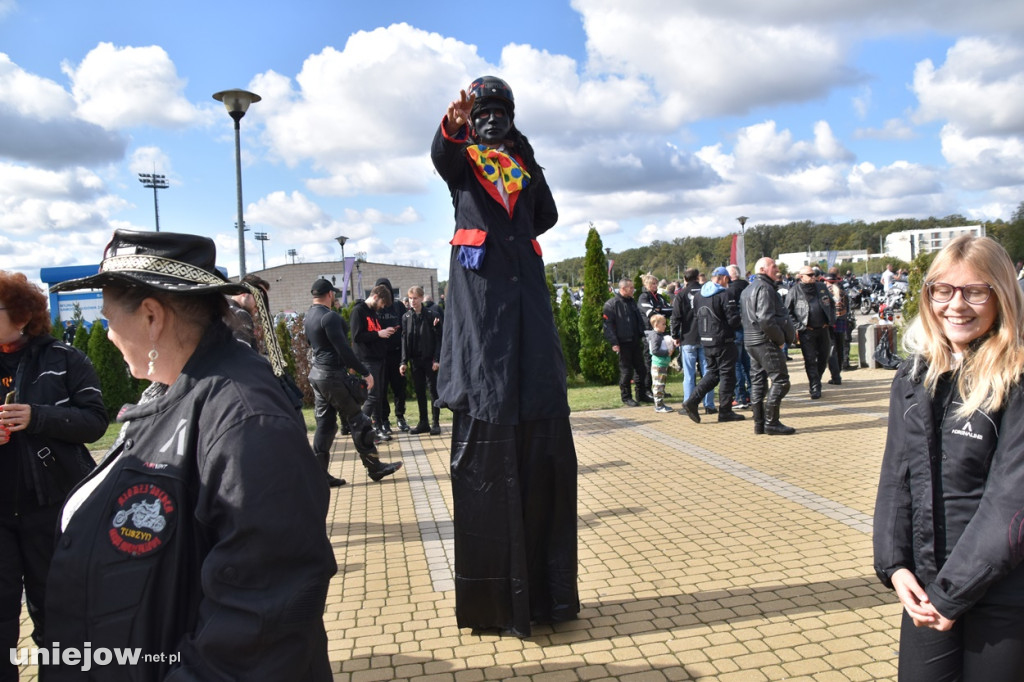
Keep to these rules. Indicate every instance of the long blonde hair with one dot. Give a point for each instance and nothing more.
(988, 369)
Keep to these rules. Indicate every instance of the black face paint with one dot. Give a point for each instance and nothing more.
(492, 123)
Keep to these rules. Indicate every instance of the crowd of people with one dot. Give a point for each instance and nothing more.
(202, 531)
(732, 333)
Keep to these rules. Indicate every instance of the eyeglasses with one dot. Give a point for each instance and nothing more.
(976, 294)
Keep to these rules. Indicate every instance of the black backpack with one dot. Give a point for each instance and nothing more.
(710, 327)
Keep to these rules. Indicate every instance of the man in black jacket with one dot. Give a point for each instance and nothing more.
(717, 316)
(390, 316)
(684, 331)
(651, 303)
(421, 348)
(333, 359)
(369, 341)
(813, 313)
(766, 328)
(624, 330)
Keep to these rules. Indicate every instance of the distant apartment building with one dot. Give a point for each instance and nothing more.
(909, 244)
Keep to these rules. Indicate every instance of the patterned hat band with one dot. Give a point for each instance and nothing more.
(157, 265)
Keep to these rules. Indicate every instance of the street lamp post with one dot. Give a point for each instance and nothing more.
(341, 242)
(237, 103)
(154, 182)
(262, 238)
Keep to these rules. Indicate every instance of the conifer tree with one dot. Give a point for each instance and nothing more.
(597, 360)
(569, 333)
(111, 370)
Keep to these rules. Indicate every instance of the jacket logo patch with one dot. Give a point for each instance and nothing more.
(968, 432)
(143, 520)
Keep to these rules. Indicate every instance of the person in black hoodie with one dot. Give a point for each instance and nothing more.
(716, 317)
(949, 514)
(53, 406)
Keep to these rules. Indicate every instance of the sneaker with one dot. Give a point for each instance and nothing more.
(663, 409)
(382, 435)
(387, 427)
(403, 425)
(629, 402)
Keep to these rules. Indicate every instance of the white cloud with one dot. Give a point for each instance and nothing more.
(35, 201)
(980, 88)
(984, 162)
(892, 129)
(36, 117)
(120, 87)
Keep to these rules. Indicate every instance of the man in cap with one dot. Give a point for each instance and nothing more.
(335, 369)
(716, 317)
(390, 317)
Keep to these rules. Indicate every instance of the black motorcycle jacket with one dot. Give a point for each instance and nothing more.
(764, 316)
(202, 542)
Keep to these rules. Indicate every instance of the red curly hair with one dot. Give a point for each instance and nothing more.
(26, 305)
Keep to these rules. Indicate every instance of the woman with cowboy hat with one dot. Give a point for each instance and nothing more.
(513, 461)
(200, 539)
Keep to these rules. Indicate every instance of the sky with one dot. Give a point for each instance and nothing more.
(653, 119)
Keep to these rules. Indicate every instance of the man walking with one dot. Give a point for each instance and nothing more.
(684, 331)
(736, 286)
(766, 328)
(813, 313)
(624, 330)
(334, 363)
(717, 316)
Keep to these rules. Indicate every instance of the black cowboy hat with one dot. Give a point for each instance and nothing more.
(167, 261)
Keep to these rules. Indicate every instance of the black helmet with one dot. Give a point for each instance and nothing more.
(492, 87)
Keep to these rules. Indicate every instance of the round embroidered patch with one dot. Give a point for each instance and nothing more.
(144, 519)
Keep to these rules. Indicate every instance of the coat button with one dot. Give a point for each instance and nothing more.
(128, 444)
(65, 542)
(515, 278)
(511, 237)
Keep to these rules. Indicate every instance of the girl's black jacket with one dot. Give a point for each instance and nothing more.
(950, 503)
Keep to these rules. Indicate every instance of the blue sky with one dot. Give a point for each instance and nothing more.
(654, 119)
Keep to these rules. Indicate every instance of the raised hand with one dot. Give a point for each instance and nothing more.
(459, 112)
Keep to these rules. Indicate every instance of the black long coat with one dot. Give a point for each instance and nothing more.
(505, 366)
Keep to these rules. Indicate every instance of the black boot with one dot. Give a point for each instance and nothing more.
(378, 469)
(727, 415)
(422, 427)
(690, 408)
(758, 410)
(772, 425)
(435, 427)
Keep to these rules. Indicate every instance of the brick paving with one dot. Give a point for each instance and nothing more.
(705, 552)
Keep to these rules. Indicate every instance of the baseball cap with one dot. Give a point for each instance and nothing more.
(720, 272)
(322, 286)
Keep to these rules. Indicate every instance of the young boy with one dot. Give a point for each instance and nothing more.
(662, 348)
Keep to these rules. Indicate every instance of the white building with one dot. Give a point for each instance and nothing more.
(796, 260)
(909, 244)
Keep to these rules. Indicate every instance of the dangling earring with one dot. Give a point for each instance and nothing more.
(153, 355)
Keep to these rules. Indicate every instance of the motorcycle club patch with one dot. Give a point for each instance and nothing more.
(143, 521)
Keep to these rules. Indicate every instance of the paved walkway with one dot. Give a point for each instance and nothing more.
(706, 553)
